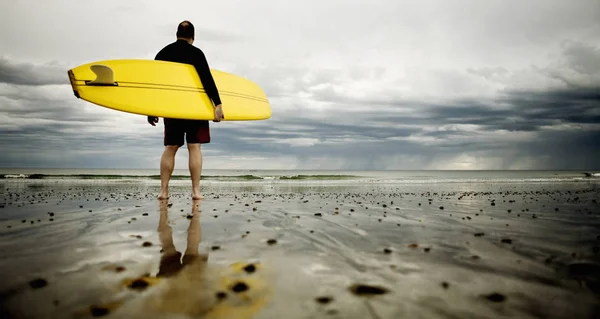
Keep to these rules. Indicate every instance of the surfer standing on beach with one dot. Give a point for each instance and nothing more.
(196, 132)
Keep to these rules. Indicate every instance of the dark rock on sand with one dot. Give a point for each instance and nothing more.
(220, 295)
(367, 290)
(98, 311)
(495, 297)
(38, 283)
(139, 284)
(239, 287)
(324, 299)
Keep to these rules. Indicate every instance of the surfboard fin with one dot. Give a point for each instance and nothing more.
(104, 76)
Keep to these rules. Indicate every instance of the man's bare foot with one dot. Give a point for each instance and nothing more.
(196, 194)
(163, 195)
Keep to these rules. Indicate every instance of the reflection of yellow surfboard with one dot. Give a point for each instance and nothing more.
(166, 89)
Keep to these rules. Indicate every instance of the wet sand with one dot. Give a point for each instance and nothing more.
(305, 250)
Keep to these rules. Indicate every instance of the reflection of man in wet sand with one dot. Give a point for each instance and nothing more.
(190, 288)
(171, 261)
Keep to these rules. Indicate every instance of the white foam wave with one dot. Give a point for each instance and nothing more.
(16, 176)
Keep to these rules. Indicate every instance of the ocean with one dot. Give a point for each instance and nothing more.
(295, 176)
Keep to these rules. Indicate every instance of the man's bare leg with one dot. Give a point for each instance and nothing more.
(167, 164)
(194, 231)
(195, 163)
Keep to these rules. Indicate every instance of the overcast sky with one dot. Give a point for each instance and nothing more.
(379, 84)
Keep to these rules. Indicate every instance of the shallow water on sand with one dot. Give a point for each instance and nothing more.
(455, 250)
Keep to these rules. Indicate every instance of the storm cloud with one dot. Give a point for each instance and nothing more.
(385, 85)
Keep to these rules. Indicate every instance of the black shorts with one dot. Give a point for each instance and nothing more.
(194, 131)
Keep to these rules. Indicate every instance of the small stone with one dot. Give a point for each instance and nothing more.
(221, 295)
(239, 287)
(271, 241)
(495, 297)
(323, 300)
(147, 244)
(138, 284)
(250, 268)
(98, 311)
(367, 290)
(38, 283)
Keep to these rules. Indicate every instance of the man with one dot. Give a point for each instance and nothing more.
(196, 132)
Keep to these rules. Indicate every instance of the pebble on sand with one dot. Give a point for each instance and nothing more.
(367, 290)
(98, 311)
(250, 268)
(220, 295)
(239, 287)
(38, 283)
(324, 299)
(495, 297)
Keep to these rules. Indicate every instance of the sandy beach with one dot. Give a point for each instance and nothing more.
(300, 250)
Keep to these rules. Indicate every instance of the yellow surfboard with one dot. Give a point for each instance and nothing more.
(166, 89)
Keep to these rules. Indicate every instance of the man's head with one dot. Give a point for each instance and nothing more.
(185, 31)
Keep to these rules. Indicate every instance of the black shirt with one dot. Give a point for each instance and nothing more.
(182, 52)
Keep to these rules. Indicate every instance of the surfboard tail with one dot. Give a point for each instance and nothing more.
(72, 80)
(104, 76)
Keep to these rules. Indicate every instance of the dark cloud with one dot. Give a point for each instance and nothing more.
(437, 130)
(582, 57)
(347, 143)
(30, 74)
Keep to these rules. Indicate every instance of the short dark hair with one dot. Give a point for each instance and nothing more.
(185, 30)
